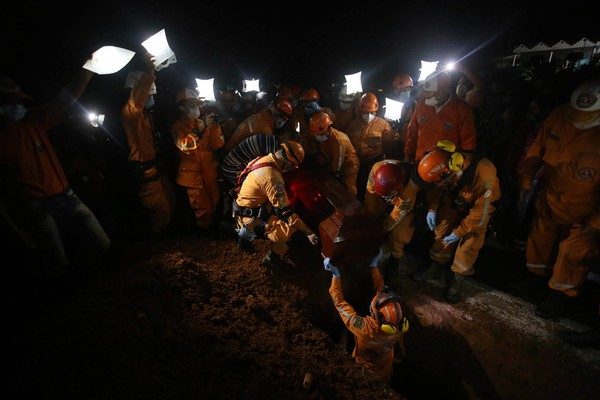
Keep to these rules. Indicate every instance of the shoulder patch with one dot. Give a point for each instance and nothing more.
(359, 322)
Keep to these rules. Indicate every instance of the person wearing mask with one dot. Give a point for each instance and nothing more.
(300, 121)
(379, 335)
(460, 206)
(371, 137)
(438, 116)
(335, 151)
(270, 120)
(53, 215)
(197, 139)
(261, 203)
(155, 190)
(565, 155)
(402, 86)
(347, 110)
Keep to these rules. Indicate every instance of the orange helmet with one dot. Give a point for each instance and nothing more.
(368, 103)
(284, 106)
(310, 95)
(319, 123)
(402, 82)
(188, 95)
(386, 309)
(388, 179)
(437, 165)
(294, 152)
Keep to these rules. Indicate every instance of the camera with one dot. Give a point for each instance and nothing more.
(218, 119)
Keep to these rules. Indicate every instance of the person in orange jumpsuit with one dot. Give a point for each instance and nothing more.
(30, 169)
(391, 195)
(566, 157)
(155, 190)
(347, 111)
(402, 87)
(370, 136)
(460, 206)
(197, 139)
(299, 125)
(439, 116)
(335, 151)
(262, 203)
(376, 335)
(269, 120)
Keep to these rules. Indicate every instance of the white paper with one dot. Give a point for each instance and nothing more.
(108, 60)
(427, 68)
(353, 83)
(205, 88)
(393, 109)
(171, 60)
(158, 46)
(251, 85)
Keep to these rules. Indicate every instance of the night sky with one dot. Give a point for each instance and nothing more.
(305, 42)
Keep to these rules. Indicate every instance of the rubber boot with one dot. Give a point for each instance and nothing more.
(432, 273)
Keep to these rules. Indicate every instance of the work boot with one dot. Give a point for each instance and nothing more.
(432, 274)
(274, 260)
(553, 306)
(582, 340)
(455, 290)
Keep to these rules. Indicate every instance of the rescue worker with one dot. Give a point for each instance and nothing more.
(566, 156)
(402, 86)
(269, 120)
(197, 139)
(348, 110)
(299, 124)
(376, 335)
(390, 197)
(460, 206)
(370, 136)
(155, 190)
(262, 203)
(439, 116)
(335, 151)
(53, 215)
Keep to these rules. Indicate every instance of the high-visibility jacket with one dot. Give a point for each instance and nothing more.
(369, 139)
(341, 158)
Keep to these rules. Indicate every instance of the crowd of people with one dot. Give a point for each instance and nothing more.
(470, 153)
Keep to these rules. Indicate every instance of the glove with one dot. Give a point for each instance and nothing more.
(331, 268)
(451, 238)
(376, 259)
(431, 220)
(313, 239)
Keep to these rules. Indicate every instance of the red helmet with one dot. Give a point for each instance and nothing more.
(319, 123)
(284, 106)
(310, 95)
(402, 82)
(386, 309)
(389, 179)
(368, 103)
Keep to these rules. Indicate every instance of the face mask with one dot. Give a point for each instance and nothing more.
(321, 138)
(345, 106)
(431, 101)
(279, 122)
(14, 112)
(149, 103)
(368, 117)
(404, 97)
(461, 90)
(193, 113)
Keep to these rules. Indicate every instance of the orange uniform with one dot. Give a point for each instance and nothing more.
(155, 190)
(266, 186)
(568, 200)
(341, 159)
(465, 211)
(428, 125)
(374, 349)
(198, 167)
(28, 156)
(397, 219)
(262, 122)
(343, 118)
(369, 139)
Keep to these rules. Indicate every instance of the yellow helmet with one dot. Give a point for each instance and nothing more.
(293, 152)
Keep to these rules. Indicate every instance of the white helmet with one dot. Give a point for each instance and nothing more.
(133, 77)
(344, 96)
(587, 96)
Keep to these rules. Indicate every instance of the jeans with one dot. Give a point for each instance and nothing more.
(63, 219)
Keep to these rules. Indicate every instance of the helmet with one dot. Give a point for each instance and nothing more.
(368, 103)
(286, 92)
(402, 82)
(344, 96)
(133, 77)
(436, 82)
(388, 179)
(319, 123)
(284, 106)
(310, 95)
(229, 97)
(440, 162)
(293, 152)
(387, 311)
(188, 95)
(587, 96)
